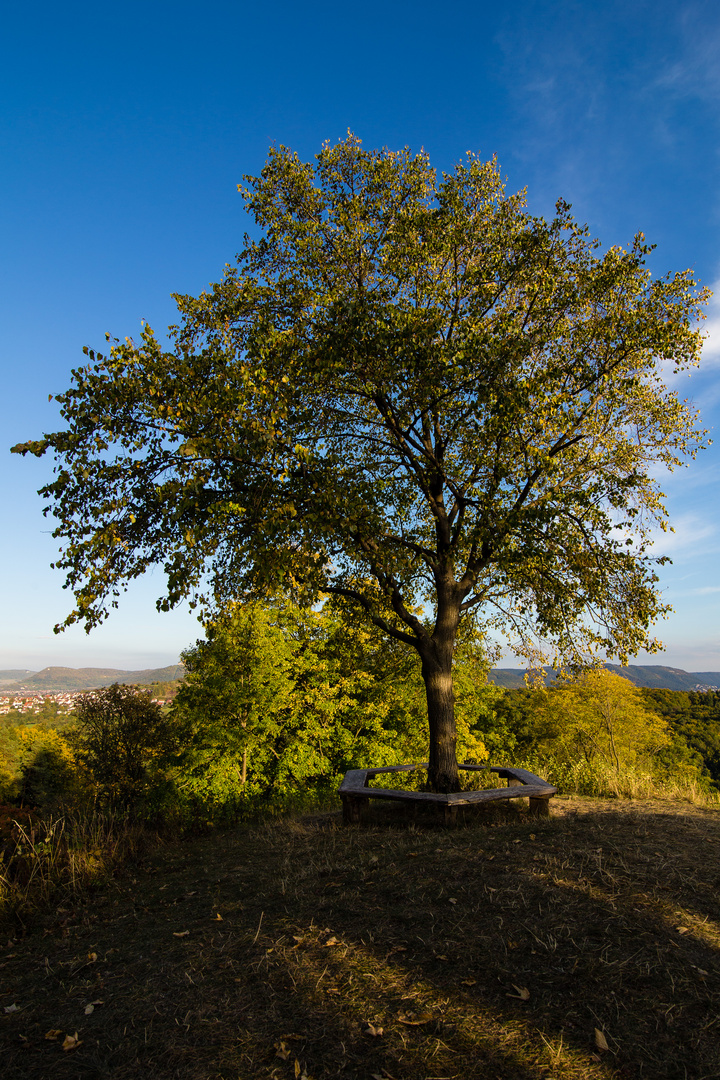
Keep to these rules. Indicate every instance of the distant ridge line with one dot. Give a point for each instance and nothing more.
(54, 679)
(649, 676)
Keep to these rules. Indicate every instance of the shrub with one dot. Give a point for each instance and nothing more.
(122, 738)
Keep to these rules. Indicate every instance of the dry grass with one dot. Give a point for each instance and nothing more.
(45, 861)
(307, 949)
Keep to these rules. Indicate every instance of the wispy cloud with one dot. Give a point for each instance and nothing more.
(690, 533)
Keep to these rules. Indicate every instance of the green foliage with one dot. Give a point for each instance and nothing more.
(291, 698)
(600, 735)
(122, 738)
(694, 719)
(278, 700)
(48, 768)
(600, 716)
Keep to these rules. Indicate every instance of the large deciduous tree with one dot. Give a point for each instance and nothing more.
(408, 392)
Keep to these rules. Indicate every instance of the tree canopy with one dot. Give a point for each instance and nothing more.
(408, 392)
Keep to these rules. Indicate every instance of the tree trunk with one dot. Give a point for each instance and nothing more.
(443, 772)
(437, 661)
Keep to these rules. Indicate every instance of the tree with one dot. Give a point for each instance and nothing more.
(238, 682)
(408, 392)
(279, 699)
(601, 717)
(121, 732)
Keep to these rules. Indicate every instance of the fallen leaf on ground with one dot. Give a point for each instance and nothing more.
(683, 929)
(218, 917)
(413, 1019)
(523, 994)
(452, 900)
(71, 1042)
(180, 933)
(332, 941)
(53, 1034)
(600, 1040)
(92, 957)
(11, 1008)
(469, 982)
(372, 1030)
(281, 1051)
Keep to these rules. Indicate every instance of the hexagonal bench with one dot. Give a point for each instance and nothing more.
(355, 793)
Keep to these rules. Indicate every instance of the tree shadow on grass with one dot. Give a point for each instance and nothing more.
(494, 950)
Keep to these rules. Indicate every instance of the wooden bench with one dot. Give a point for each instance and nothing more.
(355, 793)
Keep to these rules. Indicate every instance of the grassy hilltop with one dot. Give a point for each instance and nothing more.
(584, 947)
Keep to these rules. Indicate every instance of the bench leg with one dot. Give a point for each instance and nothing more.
(353, 807)
(450, 815)
(540, 807)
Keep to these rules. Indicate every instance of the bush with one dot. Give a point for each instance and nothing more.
(122, 738)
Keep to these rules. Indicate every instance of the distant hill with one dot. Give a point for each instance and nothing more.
(652, 676)
(55, 679)
(12, 675)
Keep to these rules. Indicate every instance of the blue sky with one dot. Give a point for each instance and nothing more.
(125, 130)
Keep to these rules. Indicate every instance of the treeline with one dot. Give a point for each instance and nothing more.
(278, 702)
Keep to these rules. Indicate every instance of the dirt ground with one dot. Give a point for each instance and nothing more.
(508, 948)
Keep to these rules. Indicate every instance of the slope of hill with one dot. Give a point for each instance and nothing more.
(53, 679)
(13, 675)
(652, 676)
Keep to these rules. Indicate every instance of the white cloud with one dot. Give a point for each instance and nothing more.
(711, 329)
(689, 533)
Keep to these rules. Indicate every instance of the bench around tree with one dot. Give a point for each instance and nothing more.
(355, 793)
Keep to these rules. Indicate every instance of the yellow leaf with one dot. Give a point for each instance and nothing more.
(218, 918)
(92, 957)
(71, 1042)
(282, 1051)
(297, 1069)
(683, 929)
(469, 982)
(523, 994)
(372, 1030)
(600, 1040)
(53, 1034)
(181, 933)
(332, 941)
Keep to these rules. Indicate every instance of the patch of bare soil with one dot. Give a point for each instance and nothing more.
(583, 946)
